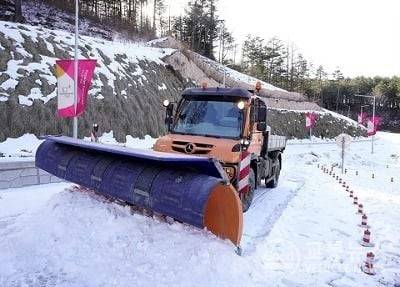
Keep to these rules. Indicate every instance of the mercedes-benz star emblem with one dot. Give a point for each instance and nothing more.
(189, 148)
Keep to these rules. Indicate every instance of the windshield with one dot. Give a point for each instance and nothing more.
(212, 118)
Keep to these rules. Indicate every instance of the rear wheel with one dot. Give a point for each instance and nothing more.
(247, 197)
(277, 171)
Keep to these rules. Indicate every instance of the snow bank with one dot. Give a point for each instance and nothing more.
(25, 146)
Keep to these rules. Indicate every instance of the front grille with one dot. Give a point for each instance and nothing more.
(199, 148)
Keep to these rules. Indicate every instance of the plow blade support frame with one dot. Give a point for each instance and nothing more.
(190, 189)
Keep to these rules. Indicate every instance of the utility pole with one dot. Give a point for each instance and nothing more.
(75, 119)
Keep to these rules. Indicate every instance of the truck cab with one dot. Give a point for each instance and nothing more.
(230, 126)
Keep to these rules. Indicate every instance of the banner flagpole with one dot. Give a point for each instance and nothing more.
(373, 121)
(75, 119)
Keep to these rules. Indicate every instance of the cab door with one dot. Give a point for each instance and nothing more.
(258, 125)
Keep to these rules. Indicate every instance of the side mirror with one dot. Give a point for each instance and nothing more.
(169, 112)
(262, 126)
(262, 114)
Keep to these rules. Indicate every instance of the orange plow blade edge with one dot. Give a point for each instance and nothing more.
(223, 214)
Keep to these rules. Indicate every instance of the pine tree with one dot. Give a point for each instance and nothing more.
(198, 27)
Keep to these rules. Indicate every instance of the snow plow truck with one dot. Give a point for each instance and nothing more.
(203, 172)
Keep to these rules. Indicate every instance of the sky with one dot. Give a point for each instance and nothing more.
(361, 37)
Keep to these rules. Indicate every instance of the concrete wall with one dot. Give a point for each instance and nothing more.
(23, 173)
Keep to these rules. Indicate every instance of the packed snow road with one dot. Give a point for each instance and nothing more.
(303, 233)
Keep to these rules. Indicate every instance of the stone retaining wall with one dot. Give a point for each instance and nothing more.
(23, 173)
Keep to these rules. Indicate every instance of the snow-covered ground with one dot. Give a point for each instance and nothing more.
(303, 233)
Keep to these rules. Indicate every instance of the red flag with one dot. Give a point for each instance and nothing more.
(373, 125)
(311, 119)
(362, 117)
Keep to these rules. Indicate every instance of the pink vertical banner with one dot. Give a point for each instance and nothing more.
(373, 125)
(361, 118)
(65, 83)
(311, 119)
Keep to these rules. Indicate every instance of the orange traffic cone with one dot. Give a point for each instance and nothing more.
(368, 266)
(360, 209)
(364, 223)
(366, 240)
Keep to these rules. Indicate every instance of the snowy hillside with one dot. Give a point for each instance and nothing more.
(303, 233)
(130, 82)
(58, 44)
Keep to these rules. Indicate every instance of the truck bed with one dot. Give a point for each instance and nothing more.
(276, 143)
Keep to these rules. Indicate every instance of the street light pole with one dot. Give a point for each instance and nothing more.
(373, 118)
(224, 79)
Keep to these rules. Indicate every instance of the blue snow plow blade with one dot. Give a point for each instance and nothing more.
(186, 188)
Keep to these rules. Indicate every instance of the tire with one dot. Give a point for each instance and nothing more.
(247, 198)
(277, 171)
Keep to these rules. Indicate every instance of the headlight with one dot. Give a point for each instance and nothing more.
(165, 103)
(230, 171)
(240, 105)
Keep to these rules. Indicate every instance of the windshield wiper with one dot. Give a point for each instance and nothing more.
(209, 136)
(182, 133)
(201, 135)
